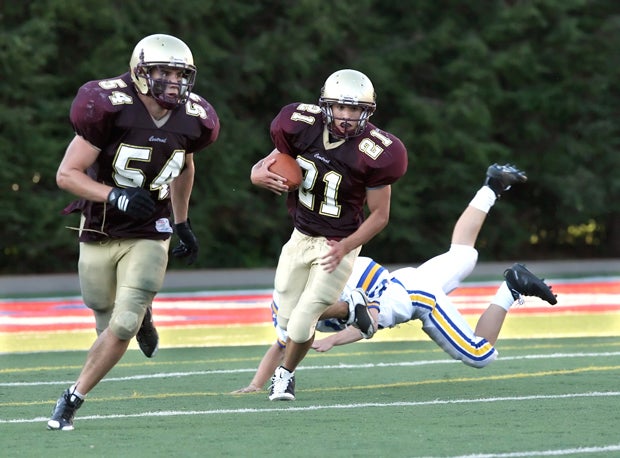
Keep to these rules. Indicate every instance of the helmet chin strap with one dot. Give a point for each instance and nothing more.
(332, 122)
(157, 90)
(168, 105)
(346, 125)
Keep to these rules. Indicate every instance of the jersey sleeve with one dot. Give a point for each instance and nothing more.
(92, 114)
(390, 164)
(209, 123)
(290, 122)
(369, 275)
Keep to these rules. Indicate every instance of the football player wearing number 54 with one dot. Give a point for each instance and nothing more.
(347, 163)
(131, 160)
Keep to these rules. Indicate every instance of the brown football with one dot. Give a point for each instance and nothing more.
(288, 168)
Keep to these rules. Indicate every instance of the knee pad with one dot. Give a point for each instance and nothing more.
(302, 328)
(301, 334)
(129, 310)
(125, 325)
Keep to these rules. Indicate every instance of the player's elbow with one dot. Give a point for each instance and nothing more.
(62, 179)
(382, 219)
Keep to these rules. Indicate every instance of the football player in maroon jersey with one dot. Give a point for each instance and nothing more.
(392, 301)
(348, 163)
(130, 162)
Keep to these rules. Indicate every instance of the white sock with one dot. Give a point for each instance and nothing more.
(74, 392)
(285, 371)
(503, 297)
(484, 199)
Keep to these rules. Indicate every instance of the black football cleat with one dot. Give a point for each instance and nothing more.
(147, 337)
(522, 282)
(501, 177)
(63, 413)
(362, 317)
(282, 386)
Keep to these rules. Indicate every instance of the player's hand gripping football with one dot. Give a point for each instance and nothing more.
(136, 202)
(188, 243)
(262, 177)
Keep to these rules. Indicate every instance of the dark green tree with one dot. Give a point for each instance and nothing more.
(463, 84)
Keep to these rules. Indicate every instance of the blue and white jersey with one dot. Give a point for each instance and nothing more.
(368, 275)
(411, 291)
(422, 294)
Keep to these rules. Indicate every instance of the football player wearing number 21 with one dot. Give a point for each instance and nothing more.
(348, 164)
(131, 159)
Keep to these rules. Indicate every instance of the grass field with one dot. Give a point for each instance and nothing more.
(554, 391)
(543, 397)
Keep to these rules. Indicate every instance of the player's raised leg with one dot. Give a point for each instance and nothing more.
(452, 267)
(519, 281)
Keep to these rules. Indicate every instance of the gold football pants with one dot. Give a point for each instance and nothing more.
(119, 280)
(303, 287)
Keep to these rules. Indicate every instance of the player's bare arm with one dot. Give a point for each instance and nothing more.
(346, 336)
(71, 175)
(181, 190)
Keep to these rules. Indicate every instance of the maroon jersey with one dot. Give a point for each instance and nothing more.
(330, 201)
(135, 153)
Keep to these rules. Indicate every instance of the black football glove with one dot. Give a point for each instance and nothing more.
(188, 243)
(136, 202)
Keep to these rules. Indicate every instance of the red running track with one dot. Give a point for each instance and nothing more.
(253, 307)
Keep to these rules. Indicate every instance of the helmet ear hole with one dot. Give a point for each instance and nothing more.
(141, 72)
(140, 76)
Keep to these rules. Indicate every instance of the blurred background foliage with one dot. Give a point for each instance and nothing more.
(463, 84)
